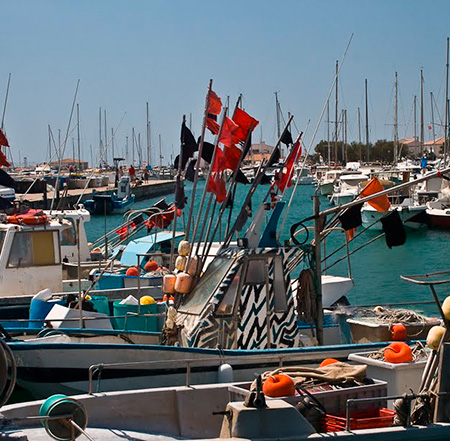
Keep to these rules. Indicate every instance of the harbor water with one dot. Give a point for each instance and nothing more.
(376, 269)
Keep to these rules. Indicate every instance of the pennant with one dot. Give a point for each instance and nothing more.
(216, 181)
(394, 229)
(6, 180)
(381, 203)
(214, 103)
(189, 172)
(207, 151)
(180, 198)
(3, 140)
(275, 157)
(244, 122)
(232, 157)
(188, 145)
(241, 178)
(212, 126)
(351, 217)
(3, 160)
(285, 177)
(286, 138)
(227, 135)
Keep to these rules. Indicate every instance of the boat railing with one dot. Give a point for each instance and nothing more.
(187, 363)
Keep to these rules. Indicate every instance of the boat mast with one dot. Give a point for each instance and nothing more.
(396, 121)
(344, 147)
(78, 137)
(160, 157)
(328, 132)
(367, 124)
(132, 146)
(112, 144)
(432, 122)
(277, 106)
(336, 117)
(100, 147)
(415, 119)
(359, 135)
(446, 107)
(149, 143)
(106, 140)
(421, 112)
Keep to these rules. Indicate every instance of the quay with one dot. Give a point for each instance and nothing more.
(68, 198)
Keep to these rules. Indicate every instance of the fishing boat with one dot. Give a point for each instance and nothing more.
(327, 182)
(347, 188)
(113, 203)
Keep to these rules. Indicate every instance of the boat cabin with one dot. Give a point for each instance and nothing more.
(30, 258)
(244, 300)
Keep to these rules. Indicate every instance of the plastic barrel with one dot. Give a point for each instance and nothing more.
(133, 322)
(39, 310)
(101, 304)
(59, 429)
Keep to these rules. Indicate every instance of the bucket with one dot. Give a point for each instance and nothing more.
(39, 310)
(135, 322)
(101, 304)
(62, 405)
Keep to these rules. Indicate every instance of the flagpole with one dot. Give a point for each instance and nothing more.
(197, 165)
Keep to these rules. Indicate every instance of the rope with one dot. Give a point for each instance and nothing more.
(306, 296)
(401, 407)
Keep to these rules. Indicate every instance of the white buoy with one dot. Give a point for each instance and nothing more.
(225, 373)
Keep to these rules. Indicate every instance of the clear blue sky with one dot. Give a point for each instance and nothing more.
(128, 52)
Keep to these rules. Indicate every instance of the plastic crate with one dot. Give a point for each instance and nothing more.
(359, 419)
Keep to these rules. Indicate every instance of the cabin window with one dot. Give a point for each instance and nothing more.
(38, 248)
(69, 235)
(279, 285)
(227, 303)
(256, 272)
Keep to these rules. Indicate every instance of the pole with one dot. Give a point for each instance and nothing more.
(80, 298)
(6, 101)
(78, 137)
(336, 117)
(446, 107)
(432, 123)
(112, 144)
(328, 133)
(415, 120)
(106, 140)
(132, 146)
(367, 124)
(160, 157)
(359, 134)
(421, 113)
(100, 147)
(149, 154)
(318, 221)
(396, 121)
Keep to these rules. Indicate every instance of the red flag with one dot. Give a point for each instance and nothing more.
(227, 135)
(245, 122)
(285, 178)
(212, 126)
(214, 103)
(3, 140)
(3, 160)
(216, 182)
(232, 156)
(381, 203)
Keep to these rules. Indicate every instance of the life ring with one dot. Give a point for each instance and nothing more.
(31, 217)
(399, 333)
(279, 385)
(398, 352)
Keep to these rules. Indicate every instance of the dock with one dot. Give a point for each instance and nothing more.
(69, 198)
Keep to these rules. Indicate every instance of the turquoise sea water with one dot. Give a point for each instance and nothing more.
(376, 269)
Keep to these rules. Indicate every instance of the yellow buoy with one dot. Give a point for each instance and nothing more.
(446, 308)
(184, 248)
(147, 300)
(434, 337)
(180, 263)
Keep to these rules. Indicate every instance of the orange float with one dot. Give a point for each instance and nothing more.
(327, 361)
(150, 266)
(279, 385)
(399, 333)
(398, 352)
(132, 271)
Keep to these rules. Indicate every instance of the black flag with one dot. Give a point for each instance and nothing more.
(286, 138)
(6, 180)
(188, 145)
(180, 198)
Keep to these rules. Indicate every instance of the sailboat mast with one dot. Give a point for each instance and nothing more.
(132, 146)
(421, 113)
(277, 106)
(415, 119)
(336, 118)
(328, 132)
(149, 153)
(396, 120)
(106, 140)
(112, 144)
(367, 124)
(160, 157)
(100, 147)
(446, 107)
(6, 101)
(359, 134)
(345, 134)
(78, 137)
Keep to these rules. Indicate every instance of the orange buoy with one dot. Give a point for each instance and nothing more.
(150, 266)
(327, 361)
(399, 333)
(183, 283)
(398, 352)
(132, 271)
(279, 385)
(168, 285)
(31, 217)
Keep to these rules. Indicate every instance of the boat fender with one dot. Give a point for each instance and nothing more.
(327, 361)
(279, 385)
(398, 352)
(180, 263)
(434, 337)
(183, 283)
(194, 266)
(184, 248)
(225, 373)
(446, 308)
(171, 318)
(168, 285)
(132, 271)
(398, 332)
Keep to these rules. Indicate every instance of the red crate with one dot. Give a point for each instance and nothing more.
(359, 419)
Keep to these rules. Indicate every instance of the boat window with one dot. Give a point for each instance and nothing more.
(2, 239)
(255, 272)
(35, 248)
(68, 234)
(205, 288)
(279, 285)
(227, 303)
